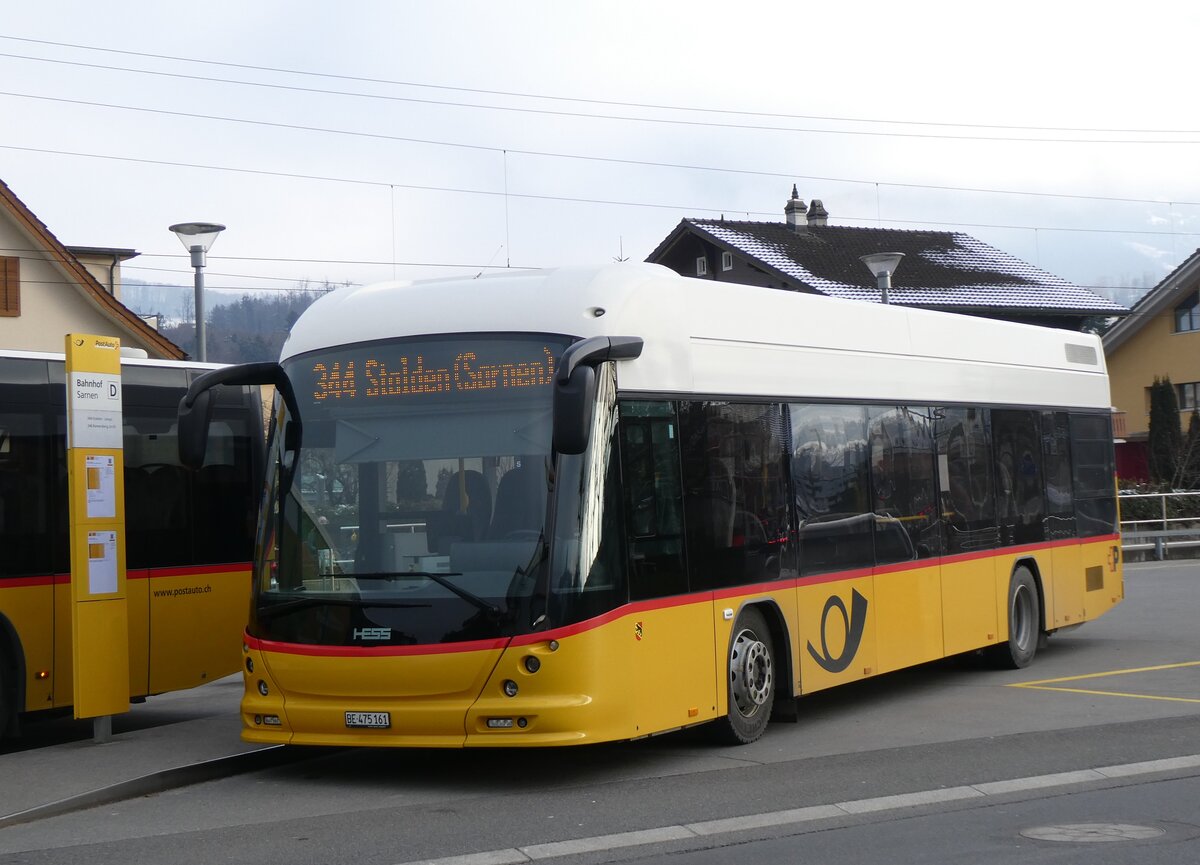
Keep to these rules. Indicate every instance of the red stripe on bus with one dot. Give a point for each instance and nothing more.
(373, 651)
(133, 574)
(636, 607)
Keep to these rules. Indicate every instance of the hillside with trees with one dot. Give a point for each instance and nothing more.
(252, 327)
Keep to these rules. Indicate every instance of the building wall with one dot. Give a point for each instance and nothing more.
(53, 304)
(106, 269)
(1155, 350)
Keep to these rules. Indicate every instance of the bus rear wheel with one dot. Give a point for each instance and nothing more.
(751, 680)
(7, 698)
(1024, 622)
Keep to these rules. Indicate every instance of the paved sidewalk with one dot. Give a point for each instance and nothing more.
(169, 740)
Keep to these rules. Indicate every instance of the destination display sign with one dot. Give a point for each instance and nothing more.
(413, 372)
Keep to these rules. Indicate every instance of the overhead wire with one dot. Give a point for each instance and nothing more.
(547, 154)
(582, 200)
(560, 98)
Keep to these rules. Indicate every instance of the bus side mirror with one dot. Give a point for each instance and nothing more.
(193, 430)
(573, 406)
(196, 407)
(575, 387)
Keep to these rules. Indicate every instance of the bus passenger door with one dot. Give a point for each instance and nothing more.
(671, 644)
(968, 513)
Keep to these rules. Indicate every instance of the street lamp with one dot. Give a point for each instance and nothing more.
(882, 265)
(197, 238)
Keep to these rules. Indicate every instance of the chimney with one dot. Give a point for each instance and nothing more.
(794, 211)
(817, 214)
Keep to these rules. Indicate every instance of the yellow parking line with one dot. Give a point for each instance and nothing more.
(1110, 673)
(1108, 693)
(1045, 684)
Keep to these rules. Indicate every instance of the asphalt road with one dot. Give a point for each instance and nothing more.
(946, 763)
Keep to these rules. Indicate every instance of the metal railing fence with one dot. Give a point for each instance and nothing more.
(1160, 521)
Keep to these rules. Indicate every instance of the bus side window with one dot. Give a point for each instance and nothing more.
(653, 510)
(1092, 468)
(965, 474)
(735, 492)
(902, 480)
(1020, 498)
(25, 494)
(830, 475)
(1056, 457)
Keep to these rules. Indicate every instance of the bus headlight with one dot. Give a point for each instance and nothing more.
(510, 688)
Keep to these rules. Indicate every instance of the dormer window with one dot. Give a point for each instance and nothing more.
(1187, 314)
(702, 266)
(726, 261)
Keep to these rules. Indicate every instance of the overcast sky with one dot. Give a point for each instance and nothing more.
(357, 141)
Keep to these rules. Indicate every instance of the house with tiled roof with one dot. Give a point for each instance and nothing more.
(48, 290)
(942, 270)
(1160, 338)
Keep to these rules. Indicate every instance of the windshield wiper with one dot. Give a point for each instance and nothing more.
(440, 579)
(293, 604)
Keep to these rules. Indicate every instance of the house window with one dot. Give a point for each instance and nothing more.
(1187, 395)
(702, 266)
(726, 261)
(1187, 314)
(10, 286)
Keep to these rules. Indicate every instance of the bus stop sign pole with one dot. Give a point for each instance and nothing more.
(95, 474)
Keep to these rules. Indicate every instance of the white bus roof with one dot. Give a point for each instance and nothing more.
(126, 360)
(723, 339)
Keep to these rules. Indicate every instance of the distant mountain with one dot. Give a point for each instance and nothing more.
(175, 303)
(242, 326)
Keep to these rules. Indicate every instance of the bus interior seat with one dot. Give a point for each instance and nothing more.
(456, 523)
(520, 502)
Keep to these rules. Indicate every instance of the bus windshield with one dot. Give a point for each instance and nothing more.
(417, 511)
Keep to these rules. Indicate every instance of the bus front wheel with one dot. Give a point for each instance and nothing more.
(1024, 622)
(751, 680)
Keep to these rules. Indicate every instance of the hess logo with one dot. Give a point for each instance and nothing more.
(853, 623)
(372, 633)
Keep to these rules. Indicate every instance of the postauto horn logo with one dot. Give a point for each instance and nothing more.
(854, 623)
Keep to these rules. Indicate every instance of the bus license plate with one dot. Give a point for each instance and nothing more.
(369, 719)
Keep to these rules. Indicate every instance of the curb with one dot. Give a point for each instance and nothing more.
(157, 782)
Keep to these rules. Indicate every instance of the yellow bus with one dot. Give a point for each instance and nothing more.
(583, 505)
(189, 535)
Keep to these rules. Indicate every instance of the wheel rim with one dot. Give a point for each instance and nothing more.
(751, 672)
(1022, 617)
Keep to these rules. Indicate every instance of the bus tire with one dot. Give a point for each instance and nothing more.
(1024, 622)
(751, 680)
(7, 696)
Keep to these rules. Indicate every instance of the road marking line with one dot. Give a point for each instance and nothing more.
(764, 821)
(907, 800)
(1016, 785)
(1109, 694)
(606, 842)
(1170, 764)
(1052, 684)
(1102, 675)
(795, 816)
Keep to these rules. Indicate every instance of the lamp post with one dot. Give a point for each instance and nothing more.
(882, 265)
(197, 238)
